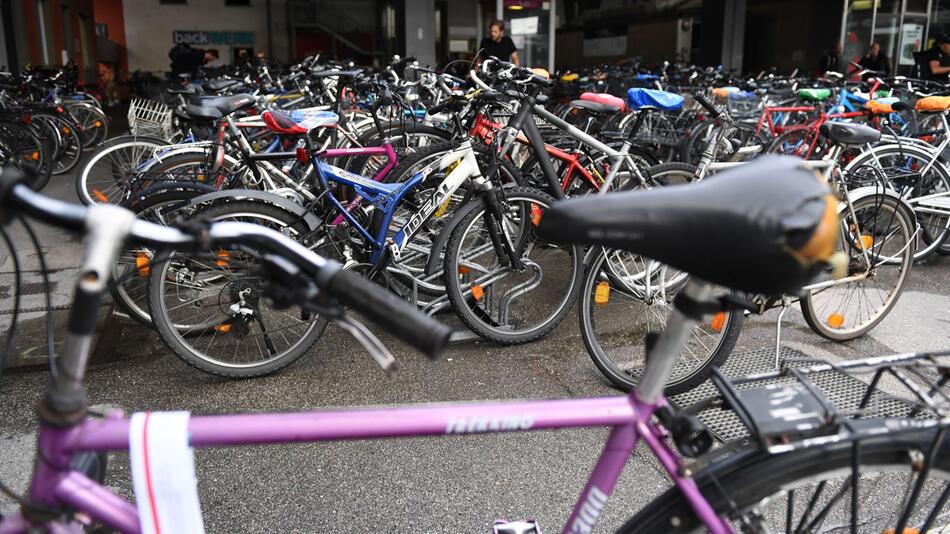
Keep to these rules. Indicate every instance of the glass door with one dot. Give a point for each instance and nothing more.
(528, 23)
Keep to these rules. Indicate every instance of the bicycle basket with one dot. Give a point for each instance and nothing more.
(657, 129)
(150, 118)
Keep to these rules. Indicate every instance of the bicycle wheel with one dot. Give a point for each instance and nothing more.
(24, 149)
(810, 489)
(884, 228)
(92, 124)
(671, 173)
(501, 301)
(900, 167)
(796, 143)
(104, 176)
(161, 205)
(71, 147)
(210, 309)
(625, 297)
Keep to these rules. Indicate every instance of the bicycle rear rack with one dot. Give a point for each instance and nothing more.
(807, 399)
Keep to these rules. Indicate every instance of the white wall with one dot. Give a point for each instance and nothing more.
(149, 26)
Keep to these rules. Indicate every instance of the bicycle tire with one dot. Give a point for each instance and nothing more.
(813, 311)
(750, 476)
(175, 340)
(131, 296)
(475, 316)
(933, 239)
(141, 145)
(685, 377)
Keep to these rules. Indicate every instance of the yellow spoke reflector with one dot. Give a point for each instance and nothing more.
(602, 293)
(142, 264)
(98, 124)
(35, 155)
(718, 321)
(65, 129)
(835, 320)
(99, 196)
(223, 258)
(223, 328)
(478, 292)
(867, 242)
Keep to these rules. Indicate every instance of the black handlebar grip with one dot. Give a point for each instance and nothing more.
(395, 315)
(704, 102)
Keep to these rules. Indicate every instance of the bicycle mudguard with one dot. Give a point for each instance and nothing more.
(305, 215)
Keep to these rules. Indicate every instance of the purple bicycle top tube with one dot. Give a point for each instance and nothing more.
(339, 424)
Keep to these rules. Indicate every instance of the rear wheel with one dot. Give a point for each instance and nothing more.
(210, 308)
(810, 489)
(885, 229)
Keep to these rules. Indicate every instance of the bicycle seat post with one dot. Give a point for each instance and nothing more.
(665, 352)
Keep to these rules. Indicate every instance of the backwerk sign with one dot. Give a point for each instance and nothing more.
(213, 38)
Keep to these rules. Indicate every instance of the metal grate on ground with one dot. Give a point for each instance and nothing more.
(842, 390)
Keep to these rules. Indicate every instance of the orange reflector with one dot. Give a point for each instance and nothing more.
(464, 270)
(201, 177)
(718, 321)
(35, 155)
(835, 320)
(224, 328)
(602, 293)
(907, 530)
(142, 264)
(65, 129)
(867, 242)
(98, 124)
(99, 196)
(478, 292)
(535, 214)
(223, 258)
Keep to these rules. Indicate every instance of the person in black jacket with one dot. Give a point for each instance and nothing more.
(498, 45)
(936, 61)
(875, 59)
(831, 61)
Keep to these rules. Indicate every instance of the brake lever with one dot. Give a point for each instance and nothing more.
(370, 342)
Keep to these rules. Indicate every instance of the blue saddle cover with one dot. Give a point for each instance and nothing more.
(639, 97)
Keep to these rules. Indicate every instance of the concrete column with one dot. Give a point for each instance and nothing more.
(723, 33)
(420, 31)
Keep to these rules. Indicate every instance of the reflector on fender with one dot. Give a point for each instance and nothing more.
(602, 293)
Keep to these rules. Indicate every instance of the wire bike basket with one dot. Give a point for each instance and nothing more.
(150, 118)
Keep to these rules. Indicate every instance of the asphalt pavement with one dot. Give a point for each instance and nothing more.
(446, 484)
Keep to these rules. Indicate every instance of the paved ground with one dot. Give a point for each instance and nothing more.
(425, 485)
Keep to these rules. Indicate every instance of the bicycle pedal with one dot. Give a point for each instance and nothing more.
(525, 526)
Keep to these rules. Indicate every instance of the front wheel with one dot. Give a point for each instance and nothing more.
(625, 297)
(506, 284)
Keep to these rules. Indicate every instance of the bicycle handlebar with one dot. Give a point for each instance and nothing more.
(704, 102)
(379, 305)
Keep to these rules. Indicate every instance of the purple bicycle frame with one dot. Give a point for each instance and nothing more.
(55, 484)
(385, 150)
